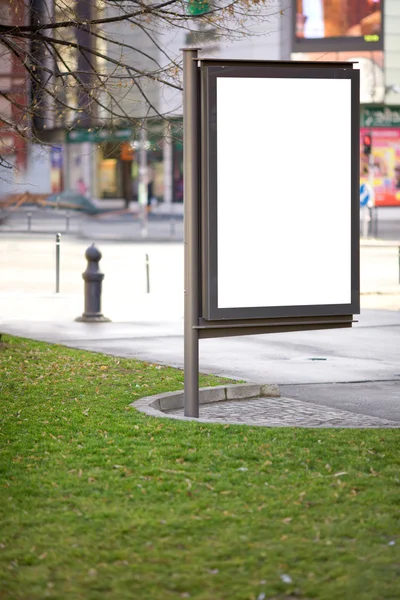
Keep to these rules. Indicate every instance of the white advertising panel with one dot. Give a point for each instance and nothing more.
(284, 197)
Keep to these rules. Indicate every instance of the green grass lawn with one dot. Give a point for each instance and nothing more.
(98, 501)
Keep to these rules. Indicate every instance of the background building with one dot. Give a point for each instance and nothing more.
(99, 157)
(24, 165)
(366, 32)
(113, 169)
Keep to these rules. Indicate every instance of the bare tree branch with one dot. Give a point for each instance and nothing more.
(82, 71)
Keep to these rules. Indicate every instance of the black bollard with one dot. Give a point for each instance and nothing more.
(93, 278)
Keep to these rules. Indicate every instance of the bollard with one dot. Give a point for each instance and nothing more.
(58, 242)
(67, 215)
(172, 228)
(375, 222)
(93, 278)
(29, 215)
(147, 274)
(366, 222)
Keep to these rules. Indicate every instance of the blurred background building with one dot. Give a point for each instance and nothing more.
(102, 161)
(366, 32)
(14, 149)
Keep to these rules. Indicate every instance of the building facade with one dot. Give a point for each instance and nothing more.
(111, 169)
(102, 159)
(367, 33)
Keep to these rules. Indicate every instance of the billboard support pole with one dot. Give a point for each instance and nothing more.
(191, 137)
(371, 183)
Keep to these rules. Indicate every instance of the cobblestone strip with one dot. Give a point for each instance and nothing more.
(283, 412)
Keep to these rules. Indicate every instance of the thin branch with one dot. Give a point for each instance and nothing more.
(8, 29)
(151, 75)
(154, 42)
(123, 45)
(94, 98)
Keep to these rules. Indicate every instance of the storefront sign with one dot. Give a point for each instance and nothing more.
(197, 7)
(127, 151)
(95, 136)
(386, 165)
(324, 25)
(380, 116)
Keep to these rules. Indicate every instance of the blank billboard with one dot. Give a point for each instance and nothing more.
(281, 196)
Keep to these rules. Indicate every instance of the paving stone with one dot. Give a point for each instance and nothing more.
(284, 412)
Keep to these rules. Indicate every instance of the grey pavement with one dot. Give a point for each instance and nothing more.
(353, 371)
(284, 412)
(116, 226)
(162, 224)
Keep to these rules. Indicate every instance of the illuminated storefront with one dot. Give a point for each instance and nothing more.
(382, 124)
(115, 157)
(353, 30)
(334, 25)
(337, 30)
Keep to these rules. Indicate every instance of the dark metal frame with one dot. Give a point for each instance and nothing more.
(200, 236)
(210, 71)
(342, 43)
(213, 329)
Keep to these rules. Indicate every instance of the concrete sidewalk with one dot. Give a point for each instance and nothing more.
(355, 370)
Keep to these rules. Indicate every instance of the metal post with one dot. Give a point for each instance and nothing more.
(371, 221)
(147, 274)
(191, 139)
(368, 211)
(366, 218)
(29, 215)
(143, 180)
(67, 222)
(172, 228)
(370, 230)
(58, 242)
